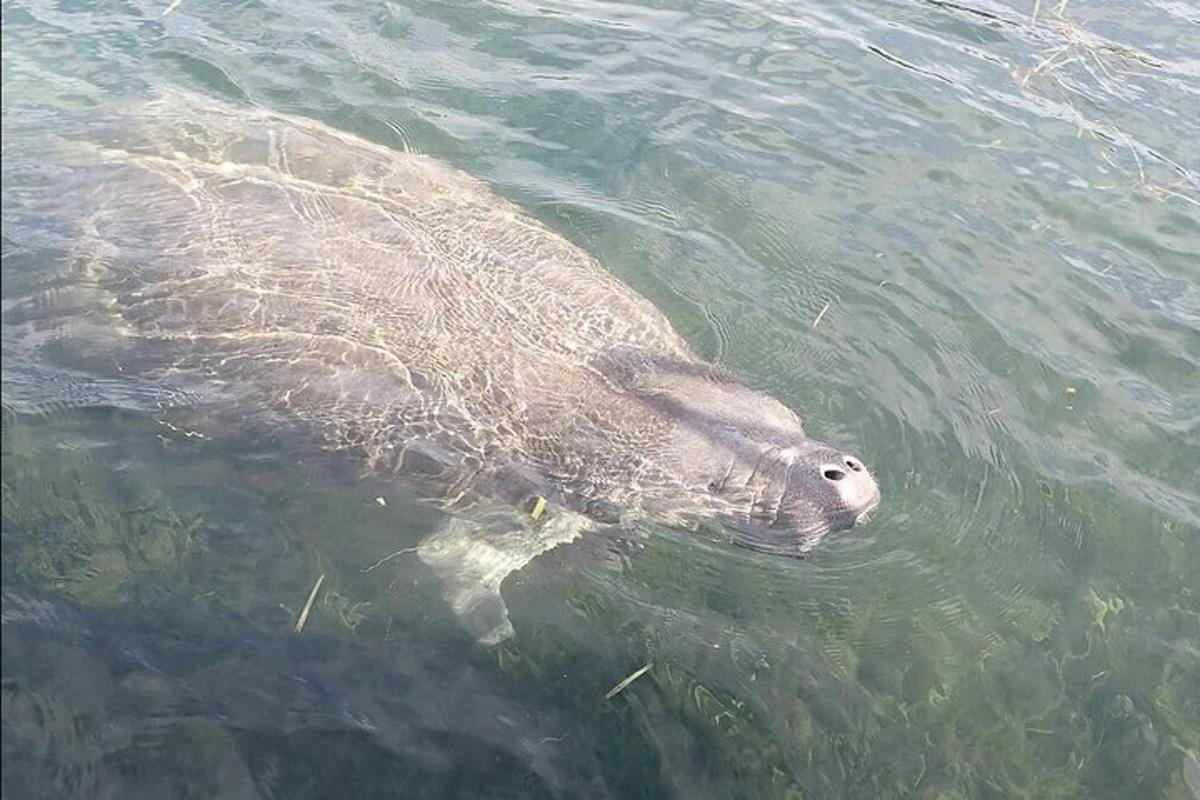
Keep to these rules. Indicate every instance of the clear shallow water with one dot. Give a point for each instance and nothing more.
(993, 218)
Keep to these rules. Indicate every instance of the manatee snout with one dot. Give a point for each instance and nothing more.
(855, 487)
(817, 492)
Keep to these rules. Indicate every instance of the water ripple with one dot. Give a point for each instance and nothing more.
(959, 237)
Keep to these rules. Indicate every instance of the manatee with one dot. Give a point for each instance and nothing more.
(385, 306)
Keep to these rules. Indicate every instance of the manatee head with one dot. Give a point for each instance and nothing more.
(743, 458)
(785, 499)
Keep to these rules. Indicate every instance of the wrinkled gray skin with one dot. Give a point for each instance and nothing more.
(393, 308)
(744, 458)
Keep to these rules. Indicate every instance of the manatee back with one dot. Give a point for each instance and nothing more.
(382, 298)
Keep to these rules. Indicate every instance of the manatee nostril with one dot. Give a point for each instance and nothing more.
(832, 474)
(854, 464)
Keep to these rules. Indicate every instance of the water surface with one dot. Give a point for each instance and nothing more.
(959, 238)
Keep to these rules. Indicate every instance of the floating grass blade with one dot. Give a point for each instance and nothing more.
(312, 596)
(539, 508)
(821, 315)
(624, 684)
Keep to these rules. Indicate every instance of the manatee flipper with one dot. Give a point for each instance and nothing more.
(472, 559)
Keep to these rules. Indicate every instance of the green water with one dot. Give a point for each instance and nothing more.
(958, 239)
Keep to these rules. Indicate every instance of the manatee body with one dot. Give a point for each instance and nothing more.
(394, 308)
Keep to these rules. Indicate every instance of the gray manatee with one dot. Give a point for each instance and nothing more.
(387, 306)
